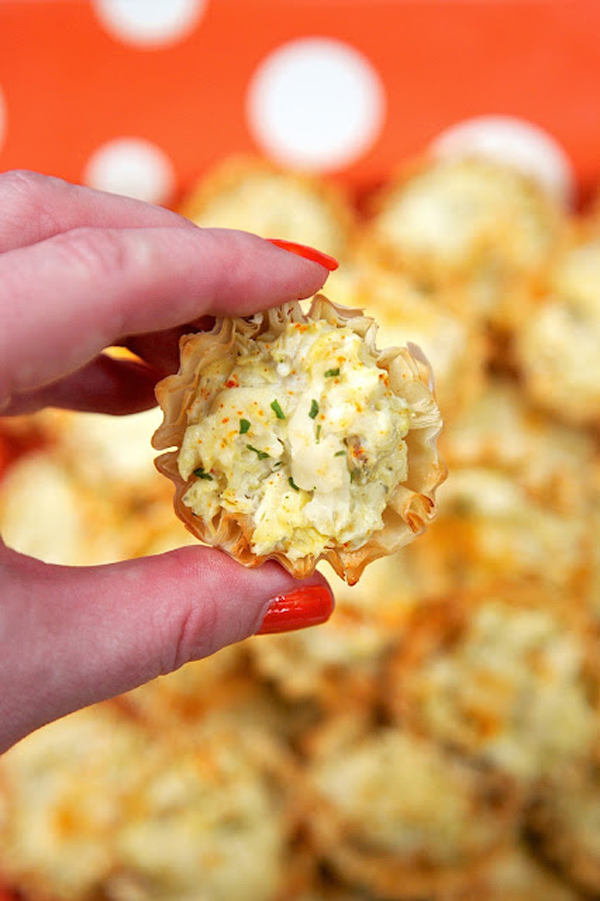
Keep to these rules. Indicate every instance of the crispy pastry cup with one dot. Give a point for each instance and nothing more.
(186, 397)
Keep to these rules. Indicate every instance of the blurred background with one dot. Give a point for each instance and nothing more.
(438, 738)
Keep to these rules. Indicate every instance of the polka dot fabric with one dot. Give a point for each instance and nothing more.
(140, 96)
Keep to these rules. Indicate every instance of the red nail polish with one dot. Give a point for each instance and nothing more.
(297, 610)
(309, 253)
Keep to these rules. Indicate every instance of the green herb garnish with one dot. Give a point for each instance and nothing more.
(314, 409)
(277, 410)
(318, 433)
(202, 474)
(293, 484)
(262, 455)
(340, 454)
(244, 426)
(331, 372)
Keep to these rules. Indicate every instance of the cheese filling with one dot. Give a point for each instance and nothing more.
(304, 436)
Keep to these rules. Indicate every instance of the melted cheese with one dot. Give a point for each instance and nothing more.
(305, 437)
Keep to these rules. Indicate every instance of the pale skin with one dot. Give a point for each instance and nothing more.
(79, 271)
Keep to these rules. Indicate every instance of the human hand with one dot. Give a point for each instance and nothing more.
(80, 271)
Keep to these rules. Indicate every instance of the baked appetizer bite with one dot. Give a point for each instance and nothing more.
(519, 501)
(330, 890)
(491, 525)
(254, 195)
(182, 698)
(557, 349)
(503, 430)
(297, 439)
(493, 673)
(109, 454)
(431, 319)
(345, 656)
(47, 514)
(95, 481)
(395, 814)
(94, 806)
(469, 222)
(564, 823)
(517, 873)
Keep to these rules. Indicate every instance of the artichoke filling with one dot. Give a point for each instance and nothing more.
(303, 438)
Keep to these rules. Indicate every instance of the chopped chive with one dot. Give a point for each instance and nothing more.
(244, 426)
(314, 409)
(277, 410)
(352, 474)
(293, 484)
(340, 454)
(331, 372)
(202, 474)
(318, 433)
(262, 455)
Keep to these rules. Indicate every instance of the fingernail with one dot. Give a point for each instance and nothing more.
(297, 610)
(309, 253)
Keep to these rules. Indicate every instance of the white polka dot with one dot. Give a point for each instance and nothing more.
(2, 118)
(315, 103)
(133, 167)
(516, 142)
(149, 23)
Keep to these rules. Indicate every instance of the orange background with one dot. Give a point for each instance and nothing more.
(70, 86)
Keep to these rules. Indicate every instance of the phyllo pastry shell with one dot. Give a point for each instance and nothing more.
(296, 439)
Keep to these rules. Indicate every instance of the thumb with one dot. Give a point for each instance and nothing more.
(73, 636)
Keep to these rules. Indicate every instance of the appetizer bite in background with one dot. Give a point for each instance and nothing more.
(374, 813)
(470, 223)
(95, 805)
(557, 348)
(256, 196)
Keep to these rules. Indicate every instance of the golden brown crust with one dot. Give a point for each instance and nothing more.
(411, 506)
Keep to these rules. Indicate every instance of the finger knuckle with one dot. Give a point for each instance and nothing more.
(25, 195)
(98, 254)
(22, 183)
(196, 633)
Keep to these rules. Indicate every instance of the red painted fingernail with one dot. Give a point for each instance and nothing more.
(297, 610)
(309, 253)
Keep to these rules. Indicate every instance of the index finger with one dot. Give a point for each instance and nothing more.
(65, 299)
(34, 207)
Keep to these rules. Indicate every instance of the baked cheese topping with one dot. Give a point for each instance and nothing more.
(304, 436)
(388, 787)
(273, 204)
(454, 209)
(503, 688)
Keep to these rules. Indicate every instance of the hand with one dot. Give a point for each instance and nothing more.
(79, 271)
